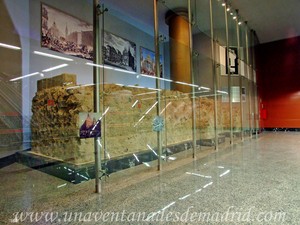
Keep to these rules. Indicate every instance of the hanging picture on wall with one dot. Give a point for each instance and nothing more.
(119, 52)
(64, 33)
(148, 62)
(233, 61)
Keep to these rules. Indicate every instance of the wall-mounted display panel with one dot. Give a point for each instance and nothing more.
(65, 33)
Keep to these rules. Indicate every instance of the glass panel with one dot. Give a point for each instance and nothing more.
(242, 50)
(256, 103)
(254, 42)
(61, 96)
(47, 91)
(129, 93)
(45, 85)
(243, 68)
(246, 108)
(201, 16)
(177, 95)
(250, 52)
(252, 102)
(250, 77)
(256, 112)
(234, 72)
(223, 115)
(11, 135)
(203, 77)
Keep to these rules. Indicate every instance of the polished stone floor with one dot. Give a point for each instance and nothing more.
(254, 182)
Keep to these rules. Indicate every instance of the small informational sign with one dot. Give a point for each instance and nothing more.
(90, 125)
(158, 124)
(243, 94)
(50, 102)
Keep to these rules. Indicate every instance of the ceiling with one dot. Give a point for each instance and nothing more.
(271, 19)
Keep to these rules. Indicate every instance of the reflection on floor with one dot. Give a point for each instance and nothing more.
(255, 182)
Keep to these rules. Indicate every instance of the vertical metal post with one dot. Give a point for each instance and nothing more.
(240, 81)
(96, 81)
(249, 85)
(228, 76)
(214, 76)
(101, 84)
(157, 70)
(192, 79)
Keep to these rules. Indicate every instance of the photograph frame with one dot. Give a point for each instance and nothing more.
(233, 60)
(147, 62)
(65, 33)
(119, 52)
(89, 125)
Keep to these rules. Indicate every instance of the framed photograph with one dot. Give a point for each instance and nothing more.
(148, 62)
(233, 61)
(119, 52)
(67, 34)
(89, 125)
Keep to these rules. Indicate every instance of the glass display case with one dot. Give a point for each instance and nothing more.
(146, 90)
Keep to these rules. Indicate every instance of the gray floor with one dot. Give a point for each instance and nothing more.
(255, 182)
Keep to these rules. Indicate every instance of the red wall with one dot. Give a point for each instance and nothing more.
(278, 78)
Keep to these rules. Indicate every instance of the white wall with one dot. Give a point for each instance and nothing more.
(18, 11)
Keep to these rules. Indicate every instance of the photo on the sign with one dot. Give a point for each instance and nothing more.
(147, 66)
(90, 125)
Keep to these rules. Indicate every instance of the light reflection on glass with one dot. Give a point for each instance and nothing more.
(199, 175)
(136, 157)
(55, 67)
(184, 197)
(52, 56)
(28, 75)
(206, 185)
(60, 186)
(226, 172)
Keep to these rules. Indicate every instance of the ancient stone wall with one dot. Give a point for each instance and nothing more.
(126, 127)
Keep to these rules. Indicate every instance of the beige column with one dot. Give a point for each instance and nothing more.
(179, 50)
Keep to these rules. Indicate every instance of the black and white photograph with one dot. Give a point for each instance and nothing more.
(64, 33)
(119, 52)
(233, 61)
